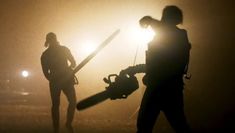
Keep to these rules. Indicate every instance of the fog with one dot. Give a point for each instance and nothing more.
(209, 95)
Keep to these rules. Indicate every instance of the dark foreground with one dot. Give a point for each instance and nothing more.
(26, 113)
(33, 119)
(20, 114)
(29, 112)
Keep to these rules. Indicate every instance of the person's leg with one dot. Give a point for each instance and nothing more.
(175, 113)
(148, 113)
(71, 97)
(55, 98)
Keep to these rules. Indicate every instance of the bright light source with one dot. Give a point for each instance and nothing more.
(140, 35)
(88, 47)
(25, 73)
(147, 34)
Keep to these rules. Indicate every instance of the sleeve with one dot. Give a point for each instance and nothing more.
(45, 67)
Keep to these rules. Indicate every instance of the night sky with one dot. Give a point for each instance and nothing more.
(209, 95)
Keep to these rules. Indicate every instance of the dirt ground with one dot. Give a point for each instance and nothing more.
(33, 119)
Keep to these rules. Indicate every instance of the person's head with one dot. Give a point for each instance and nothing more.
(51, 39)
(172, 15)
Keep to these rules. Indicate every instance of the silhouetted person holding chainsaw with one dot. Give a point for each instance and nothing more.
(167, 60)
(58, 72)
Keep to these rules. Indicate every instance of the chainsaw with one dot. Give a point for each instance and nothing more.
(119, 87)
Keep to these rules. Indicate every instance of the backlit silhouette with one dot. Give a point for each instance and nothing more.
(58, 72)
(167, 60)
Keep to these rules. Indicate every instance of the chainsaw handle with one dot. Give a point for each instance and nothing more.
(109, 79)
(112, 75)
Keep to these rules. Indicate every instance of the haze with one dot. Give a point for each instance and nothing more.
(209, 100)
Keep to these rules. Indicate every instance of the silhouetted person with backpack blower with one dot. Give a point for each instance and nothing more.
(167, 60)
(59, 73)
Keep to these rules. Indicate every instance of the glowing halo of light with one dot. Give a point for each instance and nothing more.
(24, 73)
(140, 35)
(88, 47)
(147, 34)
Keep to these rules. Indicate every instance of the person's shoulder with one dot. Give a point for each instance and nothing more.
(64, 47)
(44, 53)
(185, 35)
(184, 31)
(181, 29)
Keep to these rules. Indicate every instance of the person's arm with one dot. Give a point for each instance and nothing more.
(132, 70)
(189, 46)
(149, 21)
(45, 67)
(70, 58)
